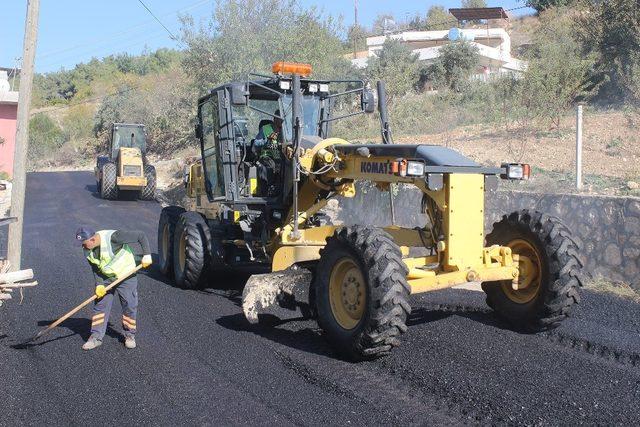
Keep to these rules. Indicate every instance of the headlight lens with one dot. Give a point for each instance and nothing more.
(516, 171)
(415, 168)
(285, 84)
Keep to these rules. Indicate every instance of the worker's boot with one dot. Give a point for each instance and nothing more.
(130, 342)
(92, 343)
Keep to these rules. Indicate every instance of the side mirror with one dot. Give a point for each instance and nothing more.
(239, 94)
(198, 131)
(368, 101)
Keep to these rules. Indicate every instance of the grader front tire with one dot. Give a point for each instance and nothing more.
(190, 250)
(554, 273)
(166, 230)
(362, 293)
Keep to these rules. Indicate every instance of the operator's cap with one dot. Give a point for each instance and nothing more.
(84, 233)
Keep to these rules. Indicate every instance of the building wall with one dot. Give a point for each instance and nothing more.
(8, 115)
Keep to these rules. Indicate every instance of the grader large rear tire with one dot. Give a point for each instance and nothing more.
(149, 190)
(362, 293)
(553, 275)
(166, 230)
(109, 181)
(190, 250)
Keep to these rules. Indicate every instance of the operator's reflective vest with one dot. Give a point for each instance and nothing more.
(111, 265)
(267, 130)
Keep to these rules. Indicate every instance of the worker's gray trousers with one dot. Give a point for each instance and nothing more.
(127, 291)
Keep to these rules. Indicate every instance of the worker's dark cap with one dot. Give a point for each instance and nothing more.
(84, 233)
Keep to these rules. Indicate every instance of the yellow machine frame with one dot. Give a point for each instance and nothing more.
(461, 255)
(130, 157)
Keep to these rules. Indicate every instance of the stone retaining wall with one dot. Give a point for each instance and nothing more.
(609, 227)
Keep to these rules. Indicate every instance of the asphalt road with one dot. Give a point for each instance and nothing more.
(199, 362)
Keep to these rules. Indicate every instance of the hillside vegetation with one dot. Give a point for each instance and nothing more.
(578, 51)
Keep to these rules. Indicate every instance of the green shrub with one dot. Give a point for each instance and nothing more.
(397, 66)
(45, 138)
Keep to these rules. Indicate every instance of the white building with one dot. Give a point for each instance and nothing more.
(493, 45)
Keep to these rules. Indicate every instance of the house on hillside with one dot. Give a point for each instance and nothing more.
(491, 40)
(8, 116)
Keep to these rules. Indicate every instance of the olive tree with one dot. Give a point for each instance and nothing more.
(395, 64)
(246, 36)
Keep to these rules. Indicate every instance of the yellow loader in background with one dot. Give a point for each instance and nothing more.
(125, 167)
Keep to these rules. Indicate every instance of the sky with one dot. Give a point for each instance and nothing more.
(74, 31)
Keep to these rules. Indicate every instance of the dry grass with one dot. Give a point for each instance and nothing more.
(621, 290)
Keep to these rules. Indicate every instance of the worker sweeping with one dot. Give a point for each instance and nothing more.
(113, 254)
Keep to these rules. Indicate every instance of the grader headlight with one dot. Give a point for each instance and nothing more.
(404, 167)
(415, 168)
(285, 84)
(516, 171)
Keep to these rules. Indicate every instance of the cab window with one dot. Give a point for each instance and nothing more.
(210, 122)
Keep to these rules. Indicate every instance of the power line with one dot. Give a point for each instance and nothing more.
(160, 22)
(131, 29)
(103, 49)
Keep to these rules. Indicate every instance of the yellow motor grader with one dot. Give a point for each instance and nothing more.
(269, 166)
(125, 167)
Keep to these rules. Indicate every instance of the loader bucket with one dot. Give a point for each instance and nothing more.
(282, 294)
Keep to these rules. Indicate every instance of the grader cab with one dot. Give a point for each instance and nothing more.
(269, 166)
(125, 167)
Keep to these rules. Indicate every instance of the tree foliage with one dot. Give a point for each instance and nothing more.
(438, 18)
(356, 38)
(558, 72)
(166, 106)
(45, 137)
(384, 22)
(541, 5)
(474, 3)
(249, 35)
(455, 65)
(610, 30)
(396, 65)
(61, 86)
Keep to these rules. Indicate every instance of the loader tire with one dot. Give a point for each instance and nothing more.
(190, 250)
(361, 292)
(166, 230)
(556, 266)
(149, 190)
(109, 181)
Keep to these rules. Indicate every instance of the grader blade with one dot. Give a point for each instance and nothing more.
(282, 294)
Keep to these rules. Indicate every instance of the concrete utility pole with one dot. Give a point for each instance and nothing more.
(22, 133)
(355, 29)
(579, 147)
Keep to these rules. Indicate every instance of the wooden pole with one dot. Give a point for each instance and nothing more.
(22, 133)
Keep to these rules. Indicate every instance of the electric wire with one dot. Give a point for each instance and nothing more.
(159, 21)
(110, 37)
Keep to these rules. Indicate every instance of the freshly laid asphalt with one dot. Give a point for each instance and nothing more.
(199, 362)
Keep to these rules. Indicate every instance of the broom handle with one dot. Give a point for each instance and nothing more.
(85, 303)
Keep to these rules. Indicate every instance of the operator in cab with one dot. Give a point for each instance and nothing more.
(268, 154)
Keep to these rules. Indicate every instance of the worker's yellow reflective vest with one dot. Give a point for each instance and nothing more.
(111, 265)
